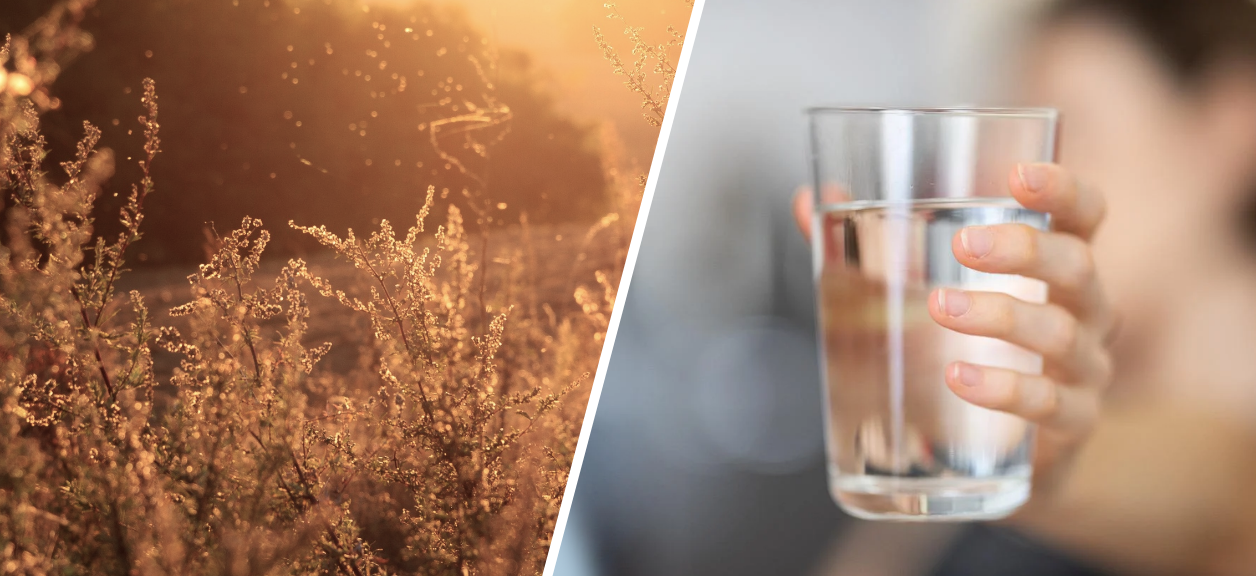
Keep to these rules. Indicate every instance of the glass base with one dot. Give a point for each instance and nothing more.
(929, 499)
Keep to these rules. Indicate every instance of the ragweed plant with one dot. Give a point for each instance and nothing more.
(214, 438)
(445, 452)
(653, 67)
(628, 194)
(444, 426)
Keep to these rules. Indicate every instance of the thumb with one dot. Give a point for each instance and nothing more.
(804, 206)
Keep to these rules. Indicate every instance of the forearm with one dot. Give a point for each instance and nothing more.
(1159, 488)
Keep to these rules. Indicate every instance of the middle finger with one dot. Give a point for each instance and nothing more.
(1061, 260)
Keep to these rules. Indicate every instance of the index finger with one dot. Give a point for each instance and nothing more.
(1049, 188)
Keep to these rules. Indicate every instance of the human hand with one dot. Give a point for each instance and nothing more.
(1071, 331)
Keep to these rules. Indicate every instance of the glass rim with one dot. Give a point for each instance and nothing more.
(1042, 113)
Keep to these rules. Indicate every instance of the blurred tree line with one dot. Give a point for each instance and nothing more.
(328, 112)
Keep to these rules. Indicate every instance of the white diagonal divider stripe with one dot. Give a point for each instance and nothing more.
(621, 296)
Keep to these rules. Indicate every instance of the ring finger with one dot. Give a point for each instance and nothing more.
(1044, 328)
(1063, 261)
(1035, 398)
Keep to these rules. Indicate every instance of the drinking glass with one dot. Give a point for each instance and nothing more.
(892, 188)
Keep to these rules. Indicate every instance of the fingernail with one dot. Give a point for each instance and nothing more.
(966, 375)
(977, 240)
(954, 303)
(1034, 177)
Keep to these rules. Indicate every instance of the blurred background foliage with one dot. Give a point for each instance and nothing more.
(320, 112)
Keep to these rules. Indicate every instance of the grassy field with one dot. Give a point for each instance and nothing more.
(534, 266)
(404, 401)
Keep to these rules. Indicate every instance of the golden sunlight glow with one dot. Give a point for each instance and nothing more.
(558, 34)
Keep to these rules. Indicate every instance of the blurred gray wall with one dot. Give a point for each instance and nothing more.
(706, 450)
